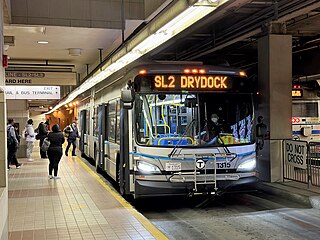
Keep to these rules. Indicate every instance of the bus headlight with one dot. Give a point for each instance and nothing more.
(147, 167)
(247, 165)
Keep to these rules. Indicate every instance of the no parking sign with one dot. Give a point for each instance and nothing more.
(295, 153)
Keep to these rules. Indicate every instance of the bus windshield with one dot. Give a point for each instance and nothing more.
(200, 119)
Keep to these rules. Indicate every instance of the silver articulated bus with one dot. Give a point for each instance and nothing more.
(171, 129)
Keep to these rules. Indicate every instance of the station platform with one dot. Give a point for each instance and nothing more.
(80, 205)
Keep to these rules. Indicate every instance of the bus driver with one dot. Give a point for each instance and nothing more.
(211, 130)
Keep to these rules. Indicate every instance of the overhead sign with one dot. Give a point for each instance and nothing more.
(190, 82)
(295, 153)
(40, 78)
(297, 93)
(34, 92)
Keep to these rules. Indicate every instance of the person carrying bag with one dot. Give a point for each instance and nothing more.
(42, 134)
(55, 139)
(72, 134)
(45, 145)
(12, 144)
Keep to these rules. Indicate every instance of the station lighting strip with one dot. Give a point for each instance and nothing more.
(181, 22)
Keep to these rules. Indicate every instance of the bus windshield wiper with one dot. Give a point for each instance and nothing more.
(179, 142)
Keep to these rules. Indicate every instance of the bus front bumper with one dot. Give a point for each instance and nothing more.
(148, 188)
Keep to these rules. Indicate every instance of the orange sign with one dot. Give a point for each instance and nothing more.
(191, 82)
(297, 93)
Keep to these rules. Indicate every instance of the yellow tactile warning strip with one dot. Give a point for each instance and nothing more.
(143, 220)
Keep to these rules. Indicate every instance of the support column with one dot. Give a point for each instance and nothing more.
(4, 220)
(275, 103)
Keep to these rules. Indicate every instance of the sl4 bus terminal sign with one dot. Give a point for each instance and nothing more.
(190, 82)
(295, 153)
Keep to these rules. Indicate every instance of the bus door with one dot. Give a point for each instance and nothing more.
(82, 129)
(112, 138)
(102, 109)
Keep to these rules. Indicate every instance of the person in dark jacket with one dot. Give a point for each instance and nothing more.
(12, 144)
(56, 140)
(72, 132)
(42, 134)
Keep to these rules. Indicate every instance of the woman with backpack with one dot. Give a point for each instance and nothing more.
(42, 134)
(56, 140)
(12, 144)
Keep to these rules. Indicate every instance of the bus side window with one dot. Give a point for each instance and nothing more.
(112, 120)
(118, 123)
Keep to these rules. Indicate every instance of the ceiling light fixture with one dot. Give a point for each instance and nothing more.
(42, 42)
(179, 23)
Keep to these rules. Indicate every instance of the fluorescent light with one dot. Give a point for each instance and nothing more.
(184, 20)
(43, 42)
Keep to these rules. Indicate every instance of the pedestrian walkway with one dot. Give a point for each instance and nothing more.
(299, 192)
(80, 205)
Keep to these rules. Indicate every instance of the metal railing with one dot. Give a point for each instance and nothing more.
(314, 163)
(311, 174)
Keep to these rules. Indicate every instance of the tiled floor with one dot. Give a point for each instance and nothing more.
(77, 206)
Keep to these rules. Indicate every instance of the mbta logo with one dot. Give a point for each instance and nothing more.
(200, 164)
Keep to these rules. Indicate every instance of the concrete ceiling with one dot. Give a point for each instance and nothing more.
(28, 51)
(60, 39)
(231, 38)
(28, 55)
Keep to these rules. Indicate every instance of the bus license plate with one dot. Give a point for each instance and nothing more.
(173, 166)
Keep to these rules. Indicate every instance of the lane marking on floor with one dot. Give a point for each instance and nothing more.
(155, 232)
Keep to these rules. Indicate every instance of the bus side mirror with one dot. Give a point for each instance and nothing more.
(127, 97)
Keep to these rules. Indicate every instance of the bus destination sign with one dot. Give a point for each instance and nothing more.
(297, 93)
(190, 83)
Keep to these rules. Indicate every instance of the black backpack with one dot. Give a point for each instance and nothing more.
(10, 140)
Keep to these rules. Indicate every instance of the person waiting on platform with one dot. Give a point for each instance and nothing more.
(30, 138)
(56, 140)
(72, 133)
(12, 144)
(42, 134)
